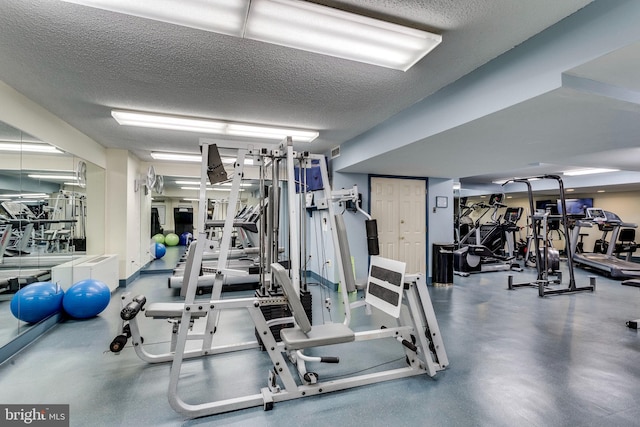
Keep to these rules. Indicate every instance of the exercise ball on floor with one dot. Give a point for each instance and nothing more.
(158, 250)
(86, 298)
(158, 238)
(37, 301)
(185, 238)
(171, 239)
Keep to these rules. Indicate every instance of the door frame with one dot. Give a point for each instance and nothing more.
(426, 209)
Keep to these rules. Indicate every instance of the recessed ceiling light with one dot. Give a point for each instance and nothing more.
(588, 171)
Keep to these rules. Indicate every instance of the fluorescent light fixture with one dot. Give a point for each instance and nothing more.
(295, 24)
(197, 183)
(208, 189)
(219, 127)
(54, 177)
(176, 157)
(25, 195)
(328, 31)
(588, 171)
(28, 147)
(231, 160)
(600, 191)
(218, 16)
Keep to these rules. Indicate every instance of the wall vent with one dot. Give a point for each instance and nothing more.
(335, 152)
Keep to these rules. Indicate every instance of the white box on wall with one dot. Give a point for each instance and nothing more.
(103, 268)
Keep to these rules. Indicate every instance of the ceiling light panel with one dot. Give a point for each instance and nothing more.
(588, 171)
(333, 32)
(54, 177)
(176, 157)
(291, 23)
(162, 121)
(218, 16)
(199, 125)
(28, 147)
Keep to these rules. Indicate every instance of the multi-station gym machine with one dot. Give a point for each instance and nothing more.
(290, 342)
(547, 258)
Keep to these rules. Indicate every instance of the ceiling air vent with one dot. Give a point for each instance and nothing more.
(335, 152)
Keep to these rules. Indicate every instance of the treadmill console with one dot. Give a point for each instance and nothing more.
(596, 214)
(600, 215)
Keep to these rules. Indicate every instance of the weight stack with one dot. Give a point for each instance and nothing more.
(278, 311)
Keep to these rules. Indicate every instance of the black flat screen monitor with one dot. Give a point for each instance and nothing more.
(544, 205)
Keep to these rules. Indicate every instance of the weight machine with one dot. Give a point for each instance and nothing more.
(403, 301)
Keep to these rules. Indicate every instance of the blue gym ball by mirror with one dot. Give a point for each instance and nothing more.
(86, 298)
(37, 301)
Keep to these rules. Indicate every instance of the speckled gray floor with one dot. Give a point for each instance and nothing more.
(515, 360)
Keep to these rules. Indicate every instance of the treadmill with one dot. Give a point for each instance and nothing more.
(607, 263)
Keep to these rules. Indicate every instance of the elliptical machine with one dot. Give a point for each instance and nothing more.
(485, 247)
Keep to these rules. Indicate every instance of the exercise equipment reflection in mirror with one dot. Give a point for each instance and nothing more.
(81, 174)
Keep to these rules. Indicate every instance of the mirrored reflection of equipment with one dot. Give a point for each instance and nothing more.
(610, 245)
(546, 256)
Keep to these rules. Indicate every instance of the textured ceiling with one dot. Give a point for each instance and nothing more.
(80, 62)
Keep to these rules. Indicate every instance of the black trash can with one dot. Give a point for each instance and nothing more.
(442, 264)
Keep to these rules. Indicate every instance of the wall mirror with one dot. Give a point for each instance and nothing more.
(42, 218)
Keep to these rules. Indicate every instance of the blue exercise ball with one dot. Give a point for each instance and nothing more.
(185, 238)
(86, 298)
(37, 301)
(158, 250)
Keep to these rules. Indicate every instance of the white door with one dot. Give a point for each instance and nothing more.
(399, 206)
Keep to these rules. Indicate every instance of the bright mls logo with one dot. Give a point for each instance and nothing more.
(35, 415)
